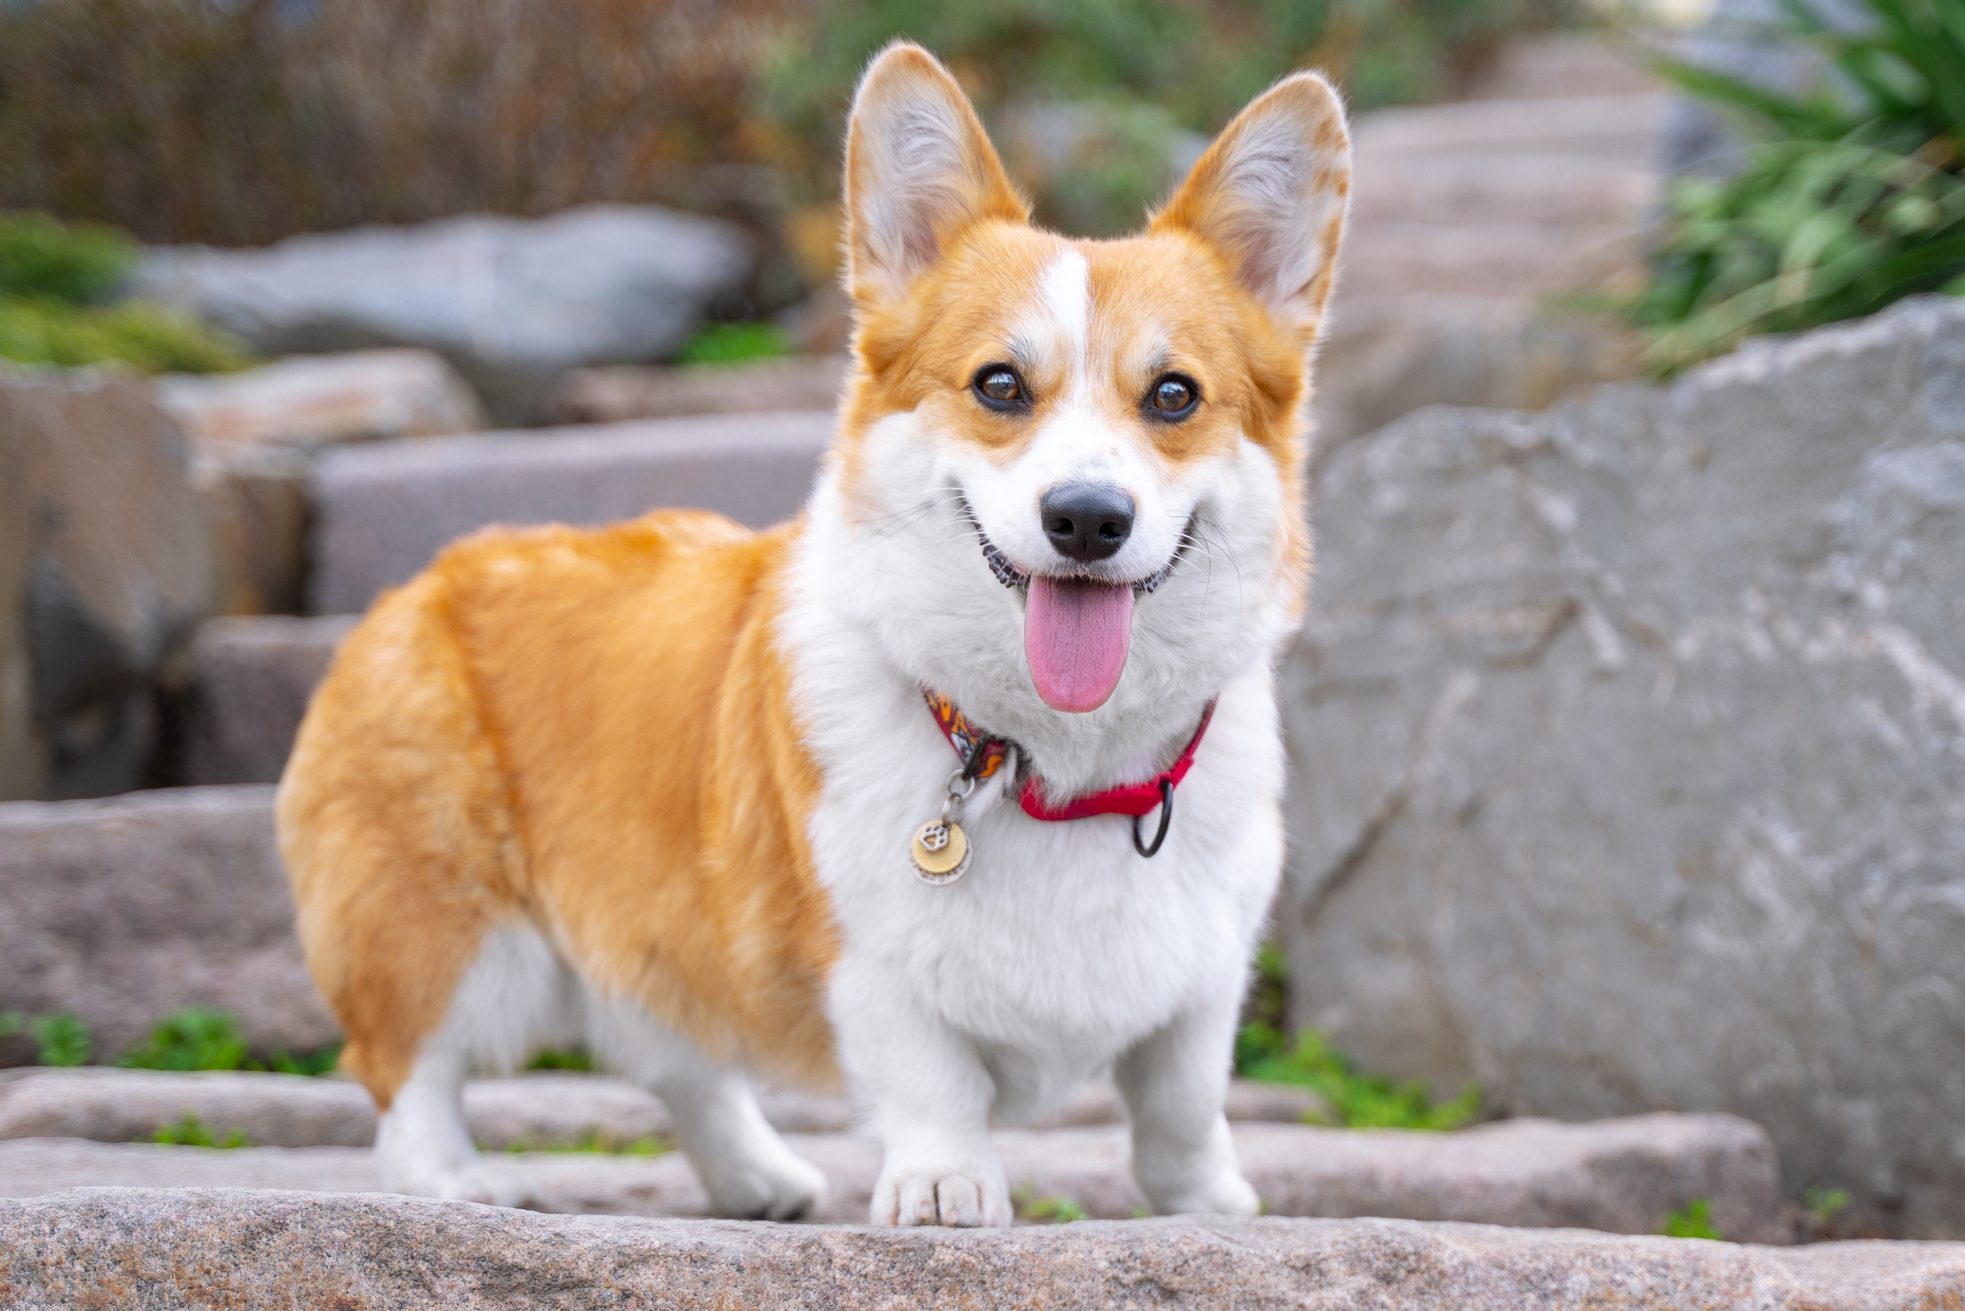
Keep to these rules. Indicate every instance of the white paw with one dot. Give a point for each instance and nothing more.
(1223, 1193)
(778, 1186)
(493, 1183)
(965, 1199)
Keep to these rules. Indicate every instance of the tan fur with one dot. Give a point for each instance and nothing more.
(591, 732)
(586, 730)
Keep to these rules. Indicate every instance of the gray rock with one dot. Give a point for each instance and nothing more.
(257, 509)
(383, 510)
(170, 1249)
(249, 683)
(123, 910)
(512, 303)
(1621, 1176)
(657, 391)
(537, 1110)
(1628, 752)
(118, 569)
(321, 400)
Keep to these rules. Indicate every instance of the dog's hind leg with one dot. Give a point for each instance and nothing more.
(743, 1163)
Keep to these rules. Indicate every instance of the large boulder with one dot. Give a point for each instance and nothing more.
(383, 510)
(511, 302)
(166, 1248)
(105, 565)
(123, 910)
(1629, 756)
(319, 400)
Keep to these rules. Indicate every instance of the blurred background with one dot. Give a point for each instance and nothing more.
(1628, 730)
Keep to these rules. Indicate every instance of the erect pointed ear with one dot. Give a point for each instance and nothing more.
(919, 170)
(1270, 196)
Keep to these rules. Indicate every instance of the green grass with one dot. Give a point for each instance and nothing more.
(1851, 195)
(79, 264)
(565, 1058)
(189, 1131)
(1045, 1210)
(197, 1038)
(1693, 1220)
(60, 1040)
(1357, 1100)
(735, 343)
(604, 1142)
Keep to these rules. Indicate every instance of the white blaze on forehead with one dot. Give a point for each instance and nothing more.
(1060, 324)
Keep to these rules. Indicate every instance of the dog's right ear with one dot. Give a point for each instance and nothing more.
(919, 170)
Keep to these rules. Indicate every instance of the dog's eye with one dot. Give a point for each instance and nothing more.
(999, 387)
(1173, 396)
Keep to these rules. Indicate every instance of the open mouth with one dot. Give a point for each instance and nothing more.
(1077, 628)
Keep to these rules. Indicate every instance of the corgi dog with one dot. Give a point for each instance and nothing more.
(960, 788)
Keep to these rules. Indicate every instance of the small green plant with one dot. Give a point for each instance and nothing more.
(1045, 1210)
(1357, 1100)
(1693, 1220)
(78, 264)
(189, 1131)
(602, 1141)
(197, 1038)
(735, 343)
(1824, 1205)
(1851, 195)
(565, 1058)
(59, 1039)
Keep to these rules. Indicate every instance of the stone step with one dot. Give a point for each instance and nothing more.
(247, 1250)
(384, 509)
(122, 910)
(537, 1110)
(248, 683)
(1620, 1176)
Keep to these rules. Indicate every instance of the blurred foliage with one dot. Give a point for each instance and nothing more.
(735, 343)
(189, 1131)
(566, 1058)
(601, 1140)
(1851, 195)
(1693, 1220)
(54, 278)
(196, 1038)
(59, 1040)
(1357, 1100)
(1045, 1210)
(242, 122)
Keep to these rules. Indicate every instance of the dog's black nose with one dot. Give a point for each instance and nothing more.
(1087, 521)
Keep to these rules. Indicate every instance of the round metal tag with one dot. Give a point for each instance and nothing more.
(941, 851)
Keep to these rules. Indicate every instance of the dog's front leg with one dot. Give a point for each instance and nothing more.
(930, 1095)
(1175, 1082)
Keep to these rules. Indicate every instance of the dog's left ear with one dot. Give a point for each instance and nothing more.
(1270, 197)
(919, 170)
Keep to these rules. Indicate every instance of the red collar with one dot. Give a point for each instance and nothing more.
(983, 755)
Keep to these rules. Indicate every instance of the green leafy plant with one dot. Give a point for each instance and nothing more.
(1693, 1220)
(197, 1038)
(1045, 1210)
(76, 264)
(1824, 1205)
(565, 1058)
(603, 1141)
(189, 1131)
(1356, 1099)
(1850, 196)
(735, 343)
(61, 1040)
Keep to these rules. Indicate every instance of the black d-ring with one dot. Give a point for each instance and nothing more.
(1166, 818)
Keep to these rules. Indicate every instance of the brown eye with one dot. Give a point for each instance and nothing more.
(1173, 396)
(999, 387)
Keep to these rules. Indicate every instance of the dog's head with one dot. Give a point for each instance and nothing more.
(1073, 470)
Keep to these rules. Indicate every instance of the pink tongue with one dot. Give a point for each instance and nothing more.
(1075, 635)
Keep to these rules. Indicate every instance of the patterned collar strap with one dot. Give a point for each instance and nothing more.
(982, 756)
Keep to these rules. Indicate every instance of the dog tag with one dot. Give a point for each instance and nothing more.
(941, 851)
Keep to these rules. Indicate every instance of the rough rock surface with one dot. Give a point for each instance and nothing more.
(249, 683)
(118, 568)
(656, 391)
(512, 303)
(257, 510)
(321, 400)
(122, 910)
(1621, 1176)
(383, 510)
(221, 1248)
(1629, 756)
(538, 1110)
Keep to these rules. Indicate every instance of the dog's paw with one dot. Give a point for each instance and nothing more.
(781, 1186)
(967, 1199)
(493, 1183)
(1224, 1193)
